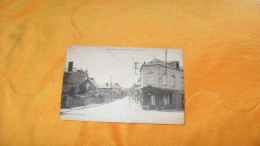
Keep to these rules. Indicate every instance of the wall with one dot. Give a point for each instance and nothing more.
(158, 71)
(73, 78)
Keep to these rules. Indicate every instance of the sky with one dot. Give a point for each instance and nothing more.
(116, 63)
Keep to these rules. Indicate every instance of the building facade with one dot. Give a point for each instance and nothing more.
(136, 92)
(110, 91)
(162, 84)
(89, 87)
(79, 89)
(117, 90)
(73, 78)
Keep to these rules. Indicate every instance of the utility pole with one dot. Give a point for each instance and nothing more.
(111, 82)
(111, 87)
(166, 62)
(136, 64)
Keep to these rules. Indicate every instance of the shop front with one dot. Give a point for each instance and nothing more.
(160, 99)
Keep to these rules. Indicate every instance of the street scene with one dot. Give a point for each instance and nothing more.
(123, 110)
(123, 84)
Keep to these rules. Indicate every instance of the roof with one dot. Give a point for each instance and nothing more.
(116, 86)
(93, 82)
(105, 86)
(181, 68)
(156, 61)
(162, 63)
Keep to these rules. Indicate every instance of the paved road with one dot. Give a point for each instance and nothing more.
(123, 110)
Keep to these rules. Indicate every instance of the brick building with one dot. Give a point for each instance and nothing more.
(74, 78)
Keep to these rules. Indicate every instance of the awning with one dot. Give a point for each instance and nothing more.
(156, 90)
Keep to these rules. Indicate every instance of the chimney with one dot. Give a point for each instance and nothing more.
(106, 84)
(70, 66)
(177, 65)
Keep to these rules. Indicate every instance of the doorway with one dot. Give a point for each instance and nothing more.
(152, 99)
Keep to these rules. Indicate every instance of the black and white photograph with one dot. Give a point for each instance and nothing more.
(123, 84)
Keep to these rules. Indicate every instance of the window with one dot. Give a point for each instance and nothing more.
(150, 79)
(183, 101)
(88, 85)
(182, 80)
(173, 80)
(170, 98)
(166, 100)
(163, 80)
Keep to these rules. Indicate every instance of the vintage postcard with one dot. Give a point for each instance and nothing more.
(123, 84)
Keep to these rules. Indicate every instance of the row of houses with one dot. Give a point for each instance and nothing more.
(161, 85)
(79, 89)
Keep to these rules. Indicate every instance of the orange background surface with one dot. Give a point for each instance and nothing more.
(221, 42)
